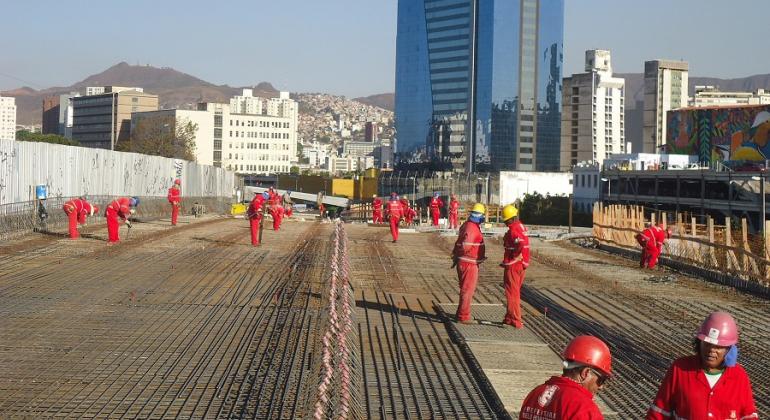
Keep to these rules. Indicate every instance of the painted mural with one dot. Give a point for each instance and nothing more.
(721, 134)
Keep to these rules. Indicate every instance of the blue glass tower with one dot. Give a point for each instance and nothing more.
(478, 82)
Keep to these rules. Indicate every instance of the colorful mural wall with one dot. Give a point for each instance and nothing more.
(721, 134)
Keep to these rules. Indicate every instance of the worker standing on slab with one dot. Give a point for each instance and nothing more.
(409, 212)
(288, 204)
(175, 199)
(649, 247)
(77, 210)
(275, 208)
(710, 384)
(254, 213)
(435, 208)
(454, 212)
(468, 253)
(395, 214)
(376, 209)
(587, 366)
(121, 208)
(515, 263)
(661, 235)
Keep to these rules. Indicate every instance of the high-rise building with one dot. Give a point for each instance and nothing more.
(370, 131)
(478, 82)
(665, 88)
(7, 118)
(712, 96)
(51, 111)
(104, 120)
(592, 126)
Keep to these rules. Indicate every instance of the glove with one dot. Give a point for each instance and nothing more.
(731, 358)
(128, 223)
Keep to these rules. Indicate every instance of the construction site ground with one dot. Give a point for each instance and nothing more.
(194, 322)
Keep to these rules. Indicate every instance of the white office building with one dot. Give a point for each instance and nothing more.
(7, 118)
(665, 88)
(711, 96)
(596, 130)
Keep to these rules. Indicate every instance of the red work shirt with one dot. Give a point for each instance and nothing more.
(469, 246)
(395, 209)
(560, 398)
(174, 196)
(454, 207)
(436, 203)
(377, 204)
(80, 207)
(686, 393)
(516, 243)
(649, 236)
(255, 207)
(122, 206)
(660, 236)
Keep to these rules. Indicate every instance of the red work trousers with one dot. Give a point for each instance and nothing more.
(434, 214)
(468, 276)
(394, 228)
(377, 217)
(112, 225)
(652, 256)
(276, 221)
(254, 224)
(453, 221)
(513, 277)
(73, 224)
(174, 214)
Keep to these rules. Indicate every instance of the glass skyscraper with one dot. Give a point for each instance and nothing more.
(478, 82)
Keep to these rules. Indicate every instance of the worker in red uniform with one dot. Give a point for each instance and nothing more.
(454, 212)
(395, 214)
(76, 210)
(121, 208)
(661, 235)
(175, 199)
(276, 211)
(288, 204)
(468, 253)
(435, 208)
(254, 213)
(710, 384)
(376, 209)
(587, 366)
(515, 263)
(649, 247)
(409, 212)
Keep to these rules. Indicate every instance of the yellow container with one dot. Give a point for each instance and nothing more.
(237, 208)
(343, 187)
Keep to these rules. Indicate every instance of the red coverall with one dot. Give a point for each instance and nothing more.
(560, 398)
(515, 262)
(468, 252)
(660, 239)
(395, 213)
(649, 248)
(454, 212)
(254, 213)
(686, 392)
(435, 209)
(175, 199)
(76, 210)
(377, 210)
(276, 210)
(408, 212)
(119, 207)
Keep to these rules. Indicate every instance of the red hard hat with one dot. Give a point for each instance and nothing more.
(178, 181)
(589, 351)
(718, 328)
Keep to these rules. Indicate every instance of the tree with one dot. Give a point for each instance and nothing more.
(294, 170)
(162, 136)
(24, 135)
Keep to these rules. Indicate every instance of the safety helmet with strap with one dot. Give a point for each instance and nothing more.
(589, 351)
(479, 208)
(509, 212)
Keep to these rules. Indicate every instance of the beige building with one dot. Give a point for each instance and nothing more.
(104, 120)
(665, 88)
(204, 133)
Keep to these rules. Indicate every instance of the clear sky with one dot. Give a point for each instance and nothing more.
(343, 46)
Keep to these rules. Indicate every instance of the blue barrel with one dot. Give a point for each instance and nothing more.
(41, 192)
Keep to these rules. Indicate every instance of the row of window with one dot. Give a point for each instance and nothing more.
(259, 135)
(253, 156)
(262, 124)
(259, 168)
(258, 146)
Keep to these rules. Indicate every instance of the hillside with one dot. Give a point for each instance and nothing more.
(382, 100)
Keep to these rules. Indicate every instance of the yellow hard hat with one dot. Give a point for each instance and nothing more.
(510, 212)
(479, 208)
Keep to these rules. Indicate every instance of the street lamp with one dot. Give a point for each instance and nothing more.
(609, 186)
(761, 180)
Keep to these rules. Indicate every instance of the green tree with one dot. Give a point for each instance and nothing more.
(294, 170)
(549, 210)
(24, 135)
(162, 136)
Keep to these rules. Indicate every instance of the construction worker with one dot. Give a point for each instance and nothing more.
(661, 235)
(649, 247)
(435, 208)
(587, 366)
(454, 212)
(376, 209)
(709, 384)
(254, 213)
(287, 204)
(121, 208)
(515, 263)
(409, 213)
(175, 199)
(76, 210)
(468, 253)
(395, 214)
(276, 211)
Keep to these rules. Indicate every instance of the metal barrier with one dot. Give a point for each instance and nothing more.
(338, 395)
